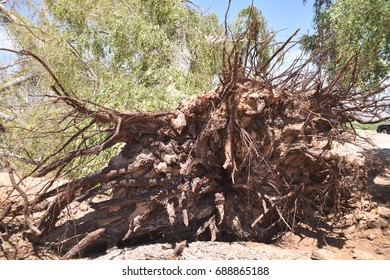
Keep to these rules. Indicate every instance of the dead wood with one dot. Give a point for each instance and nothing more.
(83, 244)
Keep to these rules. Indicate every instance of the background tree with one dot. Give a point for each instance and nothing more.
(346, 30)
(125, 55)
(251, 29)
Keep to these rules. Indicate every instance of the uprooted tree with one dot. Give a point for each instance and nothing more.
(245, 161)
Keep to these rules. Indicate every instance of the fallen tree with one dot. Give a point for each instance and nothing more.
(246, 161)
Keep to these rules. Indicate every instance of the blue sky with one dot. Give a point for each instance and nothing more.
(5, 42)
(284, 16)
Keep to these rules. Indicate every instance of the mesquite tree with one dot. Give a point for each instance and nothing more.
(346, 29)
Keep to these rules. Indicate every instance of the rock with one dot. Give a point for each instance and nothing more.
(379, 223)
(372, 216)
(362, 225)
(361, 216)
(384, 212)
(162, 167)
(170, 159)
(349, 217)
(351, 229)
(371, 236)
(322, 254)
(179, 122)
(83, 206)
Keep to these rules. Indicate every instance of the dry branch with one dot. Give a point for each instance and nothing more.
(81, 246)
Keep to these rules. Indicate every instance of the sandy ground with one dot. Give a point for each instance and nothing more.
(380, 140)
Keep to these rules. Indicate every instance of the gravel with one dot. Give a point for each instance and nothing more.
(207, 251)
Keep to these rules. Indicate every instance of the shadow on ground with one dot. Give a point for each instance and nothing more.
(379, 177)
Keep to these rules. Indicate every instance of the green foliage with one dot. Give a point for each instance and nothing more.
(251, 28)
(318, 7)
(136, 46)
(124, 55)
(358, 125)
(353, 28)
